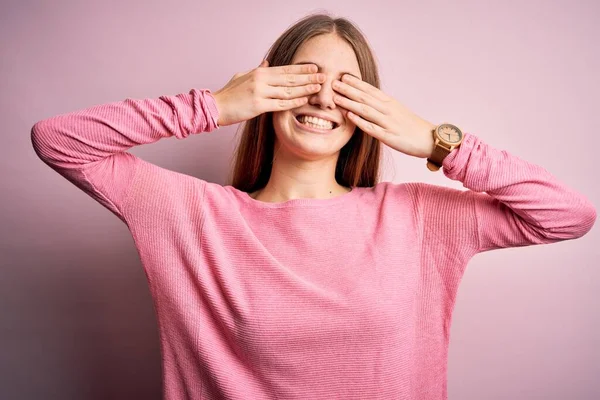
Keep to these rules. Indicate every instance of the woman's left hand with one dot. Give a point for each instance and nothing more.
(384, 118)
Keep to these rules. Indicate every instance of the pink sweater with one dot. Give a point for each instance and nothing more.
(342, 298)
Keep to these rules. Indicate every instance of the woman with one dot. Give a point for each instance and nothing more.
(306, 278)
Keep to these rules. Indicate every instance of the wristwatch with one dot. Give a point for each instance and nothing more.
(447, 137)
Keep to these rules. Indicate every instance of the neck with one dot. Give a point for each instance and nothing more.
(301, 179)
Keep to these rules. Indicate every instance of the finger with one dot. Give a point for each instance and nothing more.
(365, 87)
(291, 92)
(283, 104)
(294, 75)
(367, 126)
(363, 110)
(295, 79)
(296, 69)
(358, 95)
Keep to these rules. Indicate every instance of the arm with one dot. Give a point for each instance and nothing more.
(88, 147)
(523, 203)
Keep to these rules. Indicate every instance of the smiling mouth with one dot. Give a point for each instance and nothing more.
(298, 118)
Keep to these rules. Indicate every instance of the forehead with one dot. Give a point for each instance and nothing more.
(330, 52)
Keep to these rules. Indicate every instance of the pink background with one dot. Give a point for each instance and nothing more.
(76, 315)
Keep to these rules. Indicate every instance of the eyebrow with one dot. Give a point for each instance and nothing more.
(321, 68)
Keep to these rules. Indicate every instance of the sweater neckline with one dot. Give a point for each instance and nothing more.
(245, 196)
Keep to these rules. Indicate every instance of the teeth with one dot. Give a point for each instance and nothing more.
(320, 123)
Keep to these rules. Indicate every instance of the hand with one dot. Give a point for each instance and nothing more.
(384, 118)
(266, 89)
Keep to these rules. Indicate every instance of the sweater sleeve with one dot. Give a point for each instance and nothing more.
(511, 203)
(88, 147)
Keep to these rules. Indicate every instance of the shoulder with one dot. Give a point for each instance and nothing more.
(422, 196)
(224, 196)
(389, 194)
(390, 191)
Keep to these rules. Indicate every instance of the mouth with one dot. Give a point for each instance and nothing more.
(315, 125)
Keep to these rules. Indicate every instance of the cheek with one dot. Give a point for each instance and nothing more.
(347, 122)
(350, 127)
(281, 121)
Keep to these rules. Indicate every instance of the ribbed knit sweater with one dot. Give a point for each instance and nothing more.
(349, 297)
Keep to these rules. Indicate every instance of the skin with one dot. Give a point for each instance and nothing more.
(304, 163)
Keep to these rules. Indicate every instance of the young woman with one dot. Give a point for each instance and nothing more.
(306, 277)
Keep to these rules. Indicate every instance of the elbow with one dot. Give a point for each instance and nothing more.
(41, 139)
(576, 222)
(36, 135)
(583, 218)
(43, 128)
(589, 215)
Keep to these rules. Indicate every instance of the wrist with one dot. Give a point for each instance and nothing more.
(431, 136)
(446, 138)
(219, 106)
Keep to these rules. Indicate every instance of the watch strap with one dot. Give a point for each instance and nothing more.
(434, 162)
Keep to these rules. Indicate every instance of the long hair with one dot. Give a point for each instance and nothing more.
(358, 164)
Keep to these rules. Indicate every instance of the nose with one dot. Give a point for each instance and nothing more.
(324, 97)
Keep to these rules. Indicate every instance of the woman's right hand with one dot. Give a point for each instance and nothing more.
(266, 89)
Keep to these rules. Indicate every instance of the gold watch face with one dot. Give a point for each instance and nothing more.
(450, 133)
